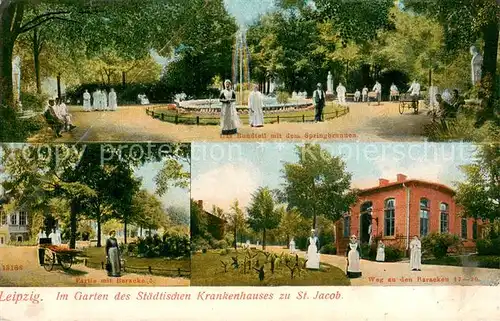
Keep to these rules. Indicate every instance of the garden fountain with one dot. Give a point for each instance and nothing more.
(241, 77)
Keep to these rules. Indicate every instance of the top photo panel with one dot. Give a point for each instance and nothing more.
(249, 70)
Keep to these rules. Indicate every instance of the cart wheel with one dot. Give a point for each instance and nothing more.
(401, 107)
(66, 261)
(48, 263)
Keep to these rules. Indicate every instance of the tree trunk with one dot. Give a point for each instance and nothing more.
(125, 232)
(489, 92)
(36, 58)
(235, 239)
(73, 224)
(264, 240)
(124, 78)
(11, 15)
(59, 94)
(99, 230)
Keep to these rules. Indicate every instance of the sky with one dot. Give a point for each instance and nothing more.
(177, 197)
(247, 11)
(224, 172)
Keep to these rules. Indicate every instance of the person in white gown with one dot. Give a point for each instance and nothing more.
(380, 252)
(229, 119)
(54, 239)
(41, 250)
(112, 101)
(365, 94)
(378, 91)
(255, 104)
(446, 96)
(86, 101)
(357, 95)
(341, 91)
(414, 92)
(65, 116)
(353, 255)
(104, 100)
(95, 100)
(292, 246)
(416, 254)
(59, 237)
(394, 92)
(312, 252)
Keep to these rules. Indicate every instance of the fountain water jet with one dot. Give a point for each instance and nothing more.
(241, 62)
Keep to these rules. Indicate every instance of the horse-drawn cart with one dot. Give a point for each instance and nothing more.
(61, 255)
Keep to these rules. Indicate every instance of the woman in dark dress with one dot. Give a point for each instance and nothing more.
(113, 255)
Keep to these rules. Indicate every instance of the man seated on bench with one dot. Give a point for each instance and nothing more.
(62, 111)
(53, 118)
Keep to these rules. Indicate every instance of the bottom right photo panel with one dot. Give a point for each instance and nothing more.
(345, 214)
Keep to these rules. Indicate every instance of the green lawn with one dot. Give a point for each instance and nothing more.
(208, 270)
(331, 110)
(159, 266)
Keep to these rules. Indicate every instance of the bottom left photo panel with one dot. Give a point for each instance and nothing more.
(74, 215)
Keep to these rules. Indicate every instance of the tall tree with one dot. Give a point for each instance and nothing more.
(465, 22)
(292, 224)
(318, 184)
(479, 194)
(237, 221)
(262, 215)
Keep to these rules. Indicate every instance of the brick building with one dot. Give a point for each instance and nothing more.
(215, 224)
(396, 211)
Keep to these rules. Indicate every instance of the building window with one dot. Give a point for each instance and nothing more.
(3, 218)
(23, 218)
(464, 228)
(474, 230)
(389, 216)
(347, 225)
(13, 219)
(424, 216)
(19, 238)
(444, 217)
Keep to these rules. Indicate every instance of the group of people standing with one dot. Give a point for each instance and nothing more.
(100, 100)
(353, 254)
(230, 121)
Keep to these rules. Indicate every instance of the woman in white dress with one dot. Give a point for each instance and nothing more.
(255, 104)
(229, 118)
(353, 255)
(113, 103)
(95, 100)
(86, 101)
(312, 252)
(380, 252)
(292, 246)
(416, 254)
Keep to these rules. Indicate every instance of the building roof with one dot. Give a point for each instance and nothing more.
(392, 185)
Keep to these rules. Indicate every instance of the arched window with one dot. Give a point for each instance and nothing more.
(474, 230)
(347, 225)
(424, 216)
(444, 217)
(464, 228)
(365, 221)
(389, 216)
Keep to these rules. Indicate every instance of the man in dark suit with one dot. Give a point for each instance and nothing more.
(319, 103)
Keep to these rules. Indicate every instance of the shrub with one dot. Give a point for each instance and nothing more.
(491, 262)
(219, 244)
(438, 244)
(34, 102)
(328, 249)
(488, 246)
(199, 244)
(169, 245)
(282, 97)
(24, 243)
(393, 254)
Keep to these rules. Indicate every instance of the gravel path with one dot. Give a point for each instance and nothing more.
(363, 123)
(31, 274)
(399, 273)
